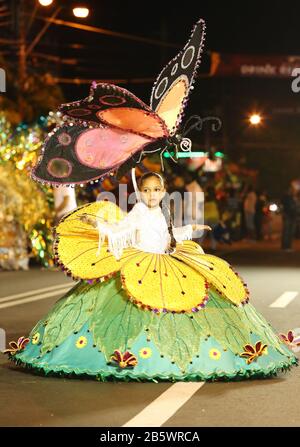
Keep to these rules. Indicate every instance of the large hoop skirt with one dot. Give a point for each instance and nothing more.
(183, 316)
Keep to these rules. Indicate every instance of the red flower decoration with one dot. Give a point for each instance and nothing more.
(124, 360)
(253, 352)
(16, 346)
(290, 339)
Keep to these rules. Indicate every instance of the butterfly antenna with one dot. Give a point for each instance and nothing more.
(197, 125)
(216, 124)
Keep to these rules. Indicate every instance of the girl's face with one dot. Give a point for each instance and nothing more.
(152, 191)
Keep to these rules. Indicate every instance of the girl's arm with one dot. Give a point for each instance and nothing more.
(183, 233)
(198, 227)
(186, 232)
(120, 235)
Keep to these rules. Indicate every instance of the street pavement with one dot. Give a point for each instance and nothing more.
(30, 400)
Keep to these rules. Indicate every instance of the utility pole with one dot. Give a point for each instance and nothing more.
(22, 46)
(20, 33)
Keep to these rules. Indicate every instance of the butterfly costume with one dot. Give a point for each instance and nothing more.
(138, 312)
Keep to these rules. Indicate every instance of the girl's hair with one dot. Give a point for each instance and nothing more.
(165, 209)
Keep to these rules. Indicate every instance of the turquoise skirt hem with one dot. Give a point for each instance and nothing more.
(103, 376)
(84, 330)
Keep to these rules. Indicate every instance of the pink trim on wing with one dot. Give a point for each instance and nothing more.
(190, 87)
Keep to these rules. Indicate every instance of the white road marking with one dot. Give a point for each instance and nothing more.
(35, 298)
(284, 299)
(32, 292)
(167, 404)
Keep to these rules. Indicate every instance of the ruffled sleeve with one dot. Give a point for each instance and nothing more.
(122, 234)
(183, 233)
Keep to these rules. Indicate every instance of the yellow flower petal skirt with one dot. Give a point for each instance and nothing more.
(180, 316)
(177, 282)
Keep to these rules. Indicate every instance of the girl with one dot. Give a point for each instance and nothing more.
(156, 234)
(149, 305)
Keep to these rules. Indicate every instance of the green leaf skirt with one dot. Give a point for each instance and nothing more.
(94, 331)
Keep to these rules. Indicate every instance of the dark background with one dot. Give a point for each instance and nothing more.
(265, 27)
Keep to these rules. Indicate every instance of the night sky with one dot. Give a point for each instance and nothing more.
(232, 27)
(253, 27)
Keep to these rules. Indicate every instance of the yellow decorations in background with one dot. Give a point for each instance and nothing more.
(25, 217)
(21, 144)
(25, 207)
(21, 199)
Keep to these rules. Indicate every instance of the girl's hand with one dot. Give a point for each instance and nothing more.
(83, 218)
(197, 227)
(86, 219)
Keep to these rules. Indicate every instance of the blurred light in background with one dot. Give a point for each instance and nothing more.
(273, 207)
(219, 154)
(81, 12)
(192, 154)
(45, 2)
(212, 165)
(255, 119)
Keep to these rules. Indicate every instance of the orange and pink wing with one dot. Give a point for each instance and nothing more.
(101, 133)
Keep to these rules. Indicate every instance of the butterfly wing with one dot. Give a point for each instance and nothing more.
(144, 123)
(172, 87)
(103, 131)
(78, 154)
(102, 96)
(141, 122)
(135, 159)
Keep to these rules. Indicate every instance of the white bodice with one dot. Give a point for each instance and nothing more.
(143, 228)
